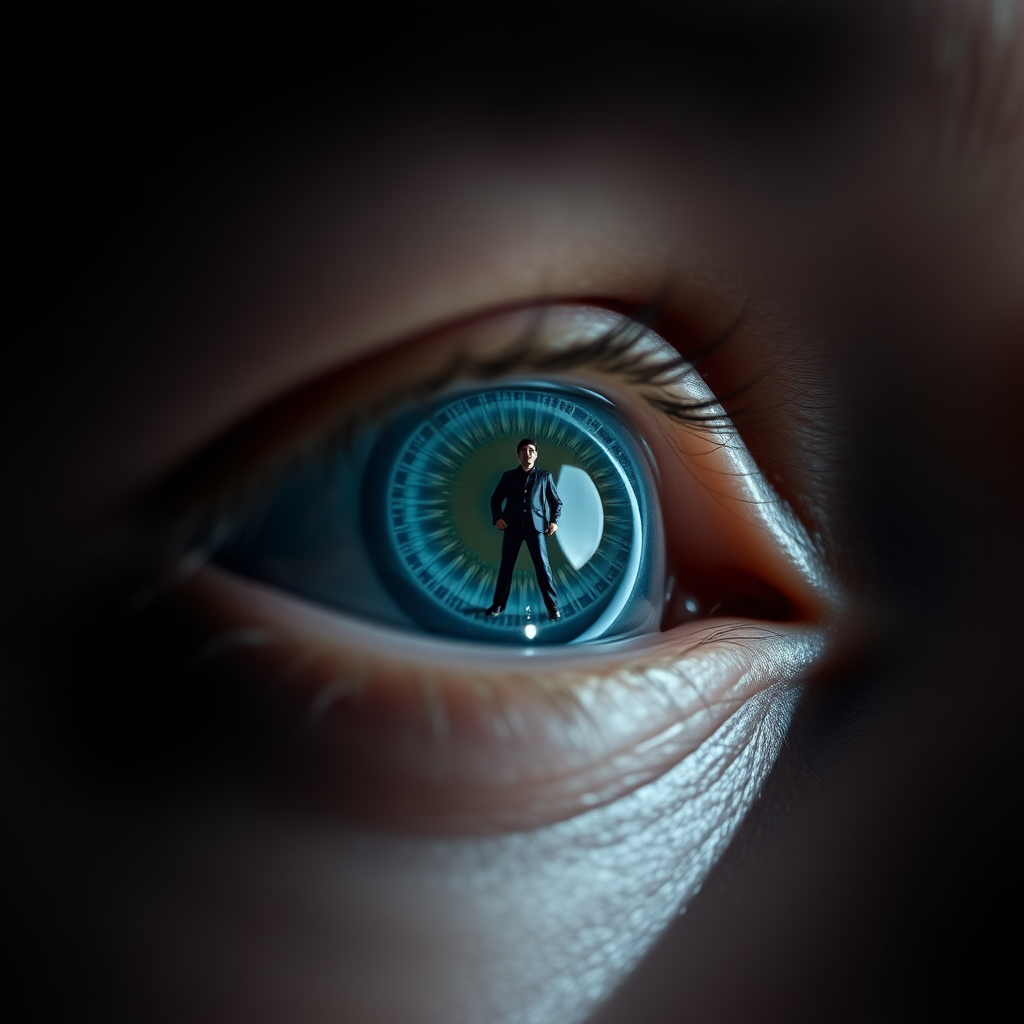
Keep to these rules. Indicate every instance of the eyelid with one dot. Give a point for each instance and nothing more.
(548, 340)
(416, 733)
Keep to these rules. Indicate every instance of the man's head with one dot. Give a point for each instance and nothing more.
(527, 452)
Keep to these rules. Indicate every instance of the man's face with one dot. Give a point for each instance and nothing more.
(527, 457)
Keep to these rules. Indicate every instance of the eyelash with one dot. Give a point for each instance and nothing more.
(614, 352)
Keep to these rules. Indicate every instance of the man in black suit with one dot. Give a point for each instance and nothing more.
(530, 513)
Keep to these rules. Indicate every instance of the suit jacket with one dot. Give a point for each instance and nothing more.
(542, 500)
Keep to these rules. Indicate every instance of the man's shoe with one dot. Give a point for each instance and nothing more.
(495, 609)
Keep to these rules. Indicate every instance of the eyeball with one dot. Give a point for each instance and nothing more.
(397, 527)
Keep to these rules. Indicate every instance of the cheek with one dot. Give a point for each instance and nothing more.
(271, 922)
(580, 904)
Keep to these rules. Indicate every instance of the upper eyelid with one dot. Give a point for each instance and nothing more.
(240, 464)
(615, 353)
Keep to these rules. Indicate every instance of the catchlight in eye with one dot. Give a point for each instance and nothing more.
(399, 527)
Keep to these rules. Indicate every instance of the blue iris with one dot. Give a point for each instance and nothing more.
(397, 527)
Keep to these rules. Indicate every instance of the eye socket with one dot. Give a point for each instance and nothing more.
(397, 527)
(401, 726)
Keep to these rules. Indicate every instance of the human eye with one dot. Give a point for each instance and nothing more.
(359, 600)
(392, 523)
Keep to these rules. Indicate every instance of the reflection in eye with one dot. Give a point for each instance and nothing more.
(397, 527)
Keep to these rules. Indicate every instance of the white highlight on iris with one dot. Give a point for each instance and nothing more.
(582, 525)
(530, 631)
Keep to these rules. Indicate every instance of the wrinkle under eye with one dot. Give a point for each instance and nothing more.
(396, 528)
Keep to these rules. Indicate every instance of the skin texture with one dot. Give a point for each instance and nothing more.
(831, 798)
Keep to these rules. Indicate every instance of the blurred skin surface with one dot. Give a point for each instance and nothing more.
(220, 225)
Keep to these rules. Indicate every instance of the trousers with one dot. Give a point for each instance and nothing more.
(536, 543)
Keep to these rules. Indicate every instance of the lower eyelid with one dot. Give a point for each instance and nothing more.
(417, 734)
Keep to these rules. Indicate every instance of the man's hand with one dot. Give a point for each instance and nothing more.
(501, 524)
(551, 529)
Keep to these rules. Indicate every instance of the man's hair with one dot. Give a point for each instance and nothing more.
(525, 441)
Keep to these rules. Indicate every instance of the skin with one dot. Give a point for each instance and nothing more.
(875, 381)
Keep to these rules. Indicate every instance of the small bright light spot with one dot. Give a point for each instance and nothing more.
(691, 605)
(530, 631)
